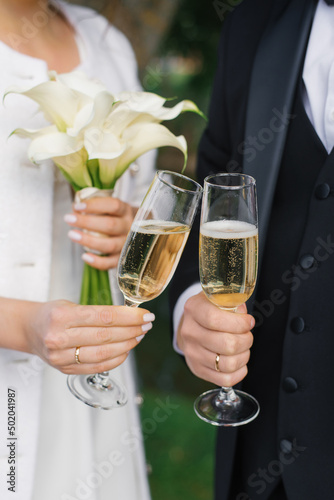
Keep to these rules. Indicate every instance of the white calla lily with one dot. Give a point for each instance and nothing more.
(46, 146)
(140, 139)
(59, 104)
(153, 104)
(146, 136)
(74, 167)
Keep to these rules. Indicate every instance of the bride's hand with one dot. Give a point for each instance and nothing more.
(110, 217)
(105, 334)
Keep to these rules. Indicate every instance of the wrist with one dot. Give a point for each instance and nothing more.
(16, 324)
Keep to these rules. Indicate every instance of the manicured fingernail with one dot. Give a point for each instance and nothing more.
(146, 327)
(87, 258)
(80, 206)
(252, 323)
(140, 338)
(70, 218)
(148, 317)
(74, 235)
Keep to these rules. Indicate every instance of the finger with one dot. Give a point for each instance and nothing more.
(91, 354)
(64, 316)
(91, 368)
(92, 336)
(222, 379)
(202, 357)
(104, 353)
(212, 318)
(103, 263)
(228, 344)
(105, 224)
(226, 364)
(107, 205)
(103, 244)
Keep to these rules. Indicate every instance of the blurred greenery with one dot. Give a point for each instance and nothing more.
(183, 67)
(181, 454)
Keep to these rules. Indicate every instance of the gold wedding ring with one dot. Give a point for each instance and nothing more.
(77, 360)
(217, 362)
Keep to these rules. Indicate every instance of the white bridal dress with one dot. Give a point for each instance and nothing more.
(64, 450)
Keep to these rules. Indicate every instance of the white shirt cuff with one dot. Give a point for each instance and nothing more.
(178, 310)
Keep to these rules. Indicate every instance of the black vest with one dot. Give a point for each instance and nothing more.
(298, 261)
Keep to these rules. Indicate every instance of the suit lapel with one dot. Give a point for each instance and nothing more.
(274, 79)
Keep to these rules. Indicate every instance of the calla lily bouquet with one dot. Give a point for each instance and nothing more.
(94, 136)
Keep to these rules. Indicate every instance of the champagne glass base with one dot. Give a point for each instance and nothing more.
(241, 411)
(106, 396)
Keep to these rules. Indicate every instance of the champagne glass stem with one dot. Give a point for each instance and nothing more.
(227, 396)
(130, 303)
(101, 381)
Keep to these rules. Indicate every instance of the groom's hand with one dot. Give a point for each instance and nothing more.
(205, 331)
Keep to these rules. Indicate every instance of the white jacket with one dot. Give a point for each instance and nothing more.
(26, 216)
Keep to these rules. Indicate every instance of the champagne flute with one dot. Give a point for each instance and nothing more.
(228, 255)
(157, 237)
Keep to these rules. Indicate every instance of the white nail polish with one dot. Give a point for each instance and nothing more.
(70, 218)
(148, 317)
(80, 206)
(146, 327)
(74, 235)
(87, 258)
(140, 338)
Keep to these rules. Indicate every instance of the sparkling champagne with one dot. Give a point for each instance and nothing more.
(228, 261)
(153, 250)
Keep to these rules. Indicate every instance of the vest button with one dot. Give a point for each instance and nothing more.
(322, 191)
(286, 446)
(297, 324)
(306, 261)
(290, 384)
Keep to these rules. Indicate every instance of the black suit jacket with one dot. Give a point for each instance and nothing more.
(261, 54)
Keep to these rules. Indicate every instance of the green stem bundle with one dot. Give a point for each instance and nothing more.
(95, 288)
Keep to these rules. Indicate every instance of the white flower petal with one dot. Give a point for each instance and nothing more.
(144, 137)
(142, 101)
(58, 103)
(33, 134)
(121, 116)
(102, 144)
(173, 112)
(75, 168)
(152, 104)
(110, 171)
(94, 114)
(48, 146)
(78, 81)
(103, 105)
(81, 120)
